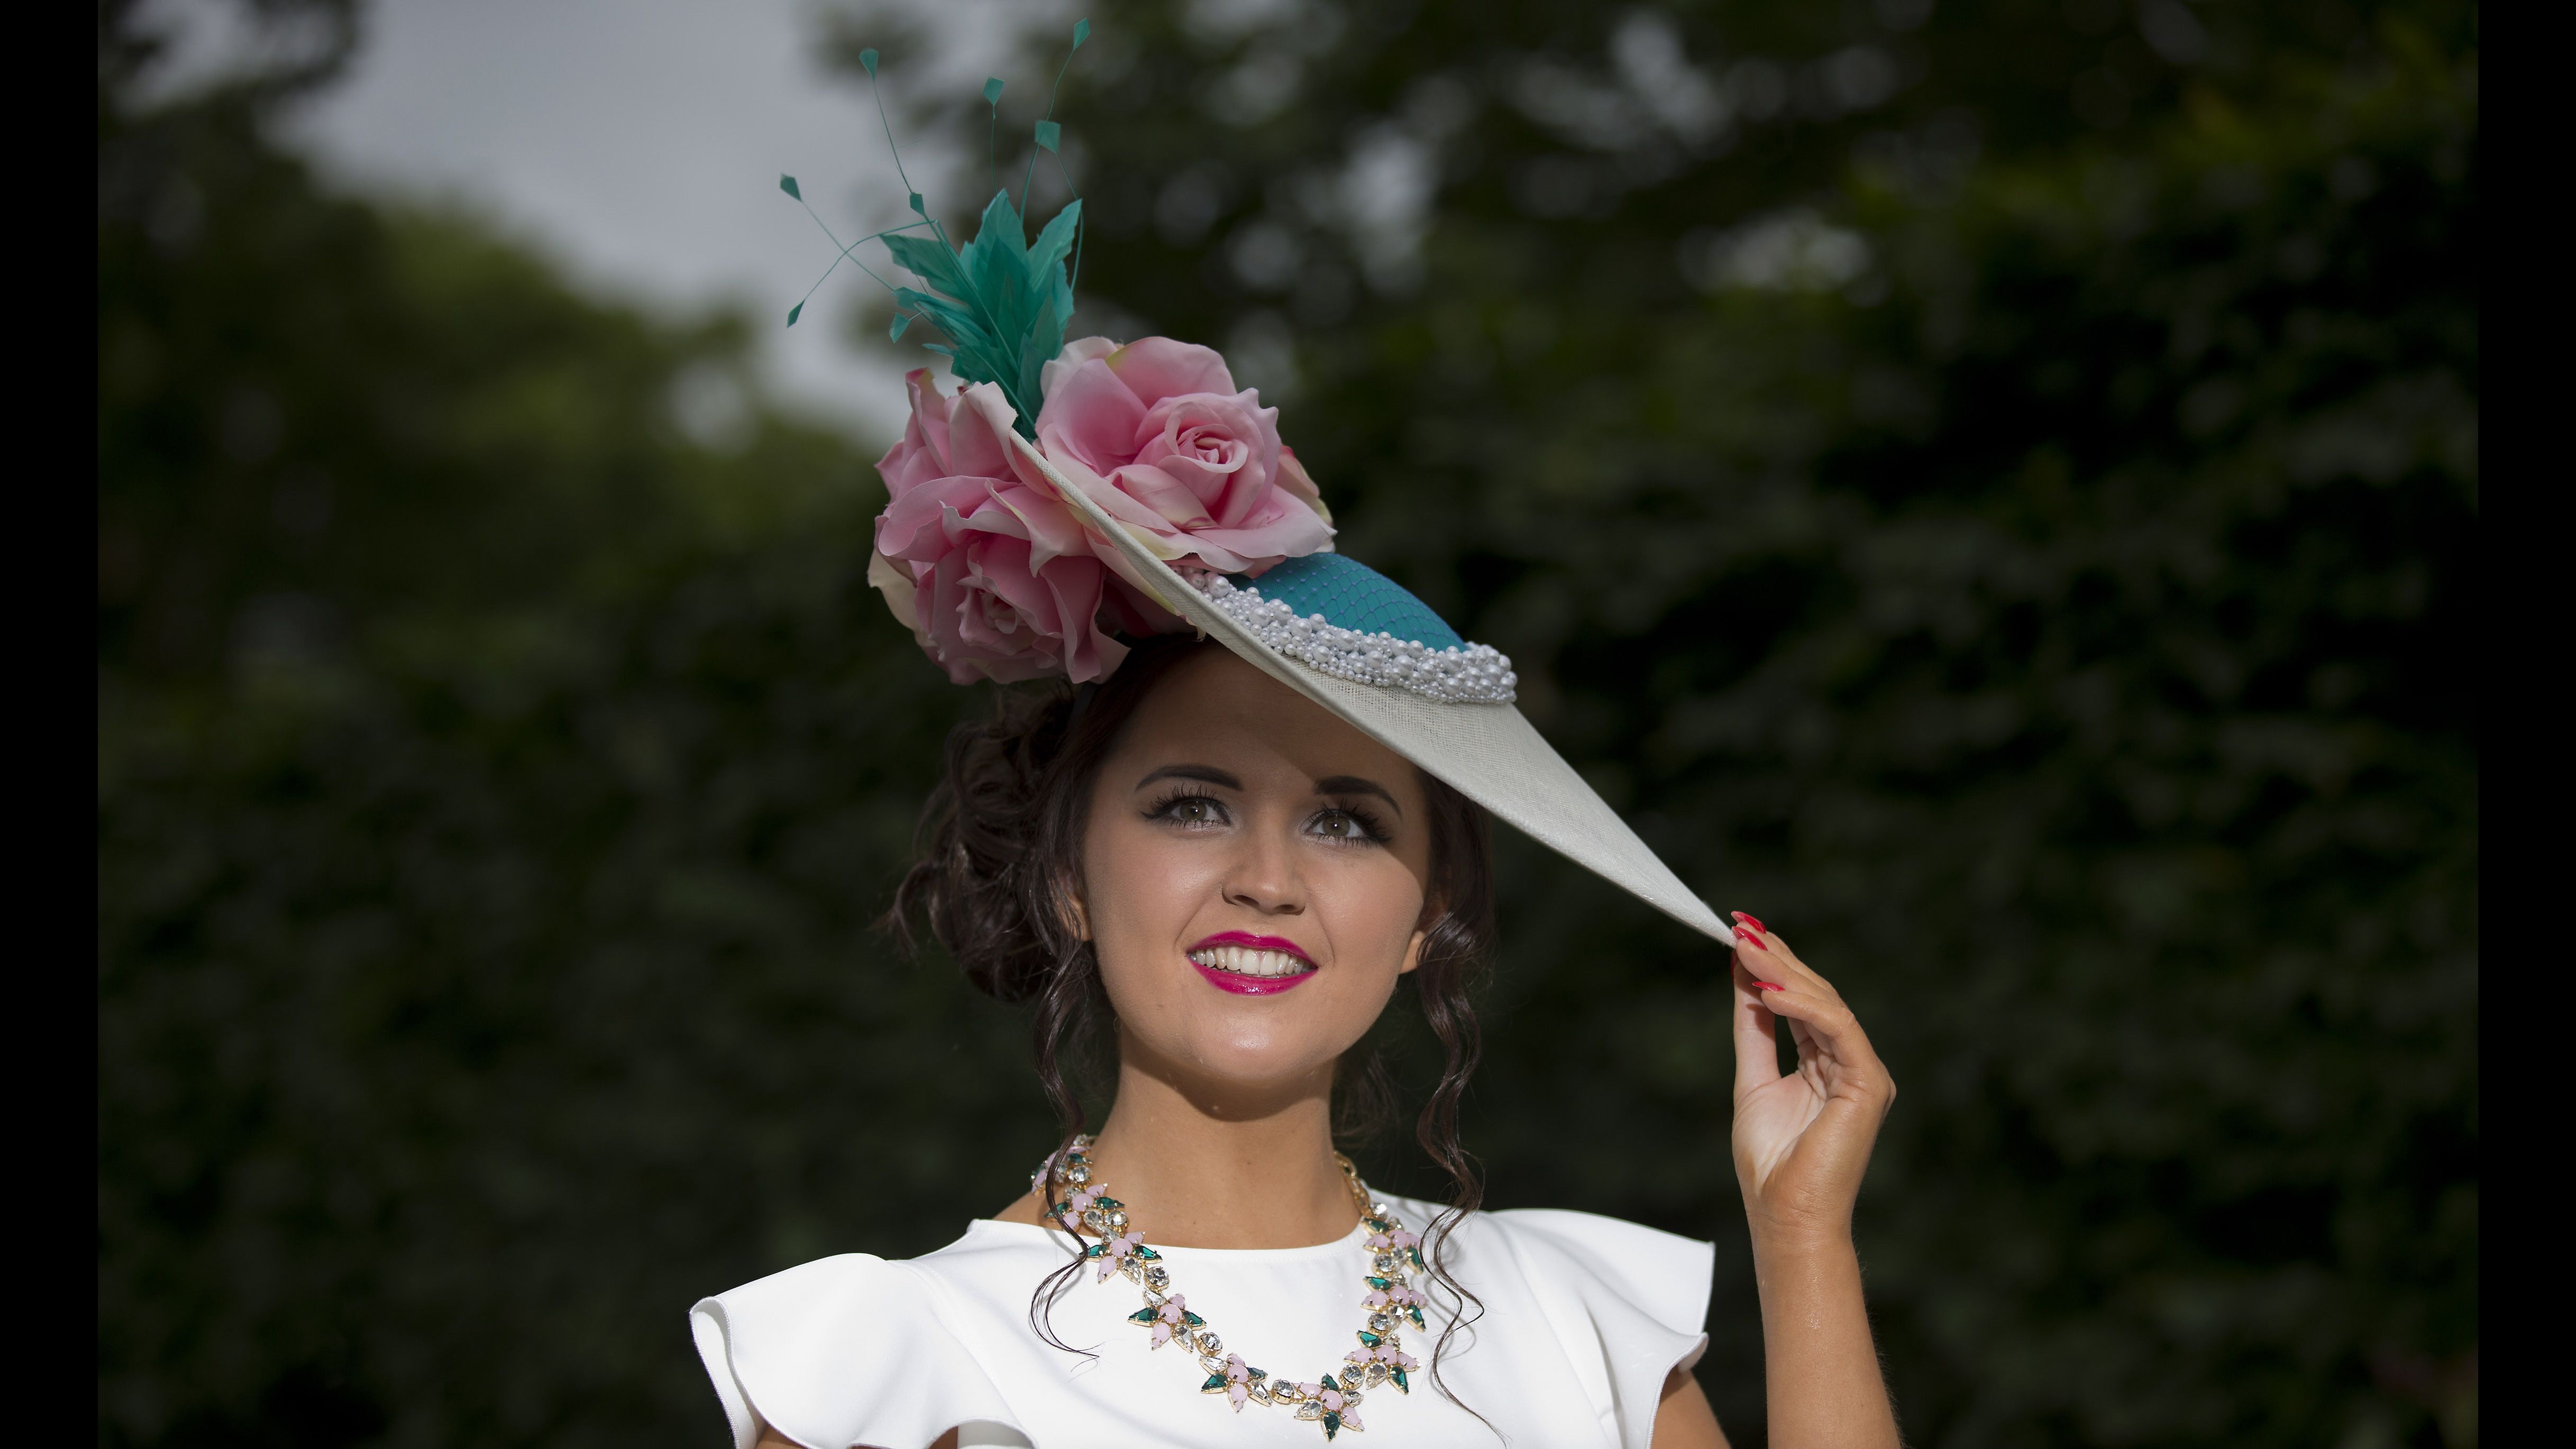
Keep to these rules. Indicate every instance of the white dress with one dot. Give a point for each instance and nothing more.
(1584, 1319)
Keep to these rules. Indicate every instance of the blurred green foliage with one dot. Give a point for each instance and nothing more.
(1989, 489)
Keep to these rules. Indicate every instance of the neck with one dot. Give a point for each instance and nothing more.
(1204, 1165)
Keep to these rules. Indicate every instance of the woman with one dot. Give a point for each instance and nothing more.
(1250, 810)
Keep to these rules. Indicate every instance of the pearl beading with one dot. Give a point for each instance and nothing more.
(1475, 674)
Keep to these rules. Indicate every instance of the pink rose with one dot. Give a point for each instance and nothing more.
(989, 568)
(1156, 433)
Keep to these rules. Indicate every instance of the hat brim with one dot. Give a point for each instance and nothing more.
(1489, 753)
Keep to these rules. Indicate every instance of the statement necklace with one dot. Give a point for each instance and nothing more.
(1394, 1254)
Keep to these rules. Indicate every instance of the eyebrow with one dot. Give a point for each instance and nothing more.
(1208, 774)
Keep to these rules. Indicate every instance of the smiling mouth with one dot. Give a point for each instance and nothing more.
(1251, 961)
(1245, 965)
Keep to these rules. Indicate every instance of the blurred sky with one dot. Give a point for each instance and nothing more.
(639, 142)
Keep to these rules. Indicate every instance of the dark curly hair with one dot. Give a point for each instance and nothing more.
(999, 864)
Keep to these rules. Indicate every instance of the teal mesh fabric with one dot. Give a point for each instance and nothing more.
(1351, 595)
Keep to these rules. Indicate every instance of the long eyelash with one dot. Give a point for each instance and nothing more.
(1163, 806)
(1371, 827)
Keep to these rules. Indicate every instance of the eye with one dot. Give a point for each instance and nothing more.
(1346, 827)
(1190, 812)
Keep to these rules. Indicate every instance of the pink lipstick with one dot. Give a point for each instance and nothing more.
(1249, 965)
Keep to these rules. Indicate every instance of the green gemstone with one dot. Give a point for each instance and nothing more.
(1417, 1316)
(1381, 1225)
(1396, 1377)
(1332, 1424)
(1106, 1203)
(1094, 1251)
(1214, 1383)
(1369, 1339)
(1141, 1315)
(1416, 1251)
(1192, 1319)
(1144, 1252)
(1381, 1284)
(1328, 1383)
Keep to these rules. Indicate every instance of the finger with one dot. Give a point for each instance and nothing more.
(1771, 951)
(1754, 953)
(1757, 1051)
(1827, 1028)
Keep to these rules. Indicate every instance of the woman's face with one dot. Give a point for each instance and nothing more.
(1254, 876)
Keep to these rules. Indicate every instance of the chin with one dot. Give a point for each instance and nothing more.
(1261, 1061)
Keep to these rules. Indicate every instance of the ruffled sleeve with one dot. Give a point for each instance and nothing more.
(846, 1350)
(1628, 1303)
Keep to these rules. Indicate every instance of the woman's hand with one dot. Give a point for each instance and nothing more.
(1802, 1140)
(1801, 1144)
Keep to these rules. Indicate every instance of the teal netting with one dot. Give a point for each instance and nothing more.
(1351, 595)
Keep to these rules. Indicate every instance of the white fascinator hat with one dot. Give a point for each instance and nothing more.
(1362, 646)
(1067, 496)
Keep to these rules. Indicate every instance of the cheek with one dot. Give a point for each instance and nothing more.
(1142, 891)
(1374, 910)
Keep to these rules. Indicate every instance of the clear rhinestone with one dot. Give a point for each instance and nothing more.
(1212, 1344)
(1118, 1219)
(1310, 1411)
(1350, 1400)
(1385, 1262)
(1077, 1174)
(1380, 1323)
(1158, 1277)
(1376, 1374)
(1091, 1219)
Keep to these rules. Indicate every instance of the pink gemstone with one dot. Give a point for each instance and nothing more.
(1162, 1334)
(1351, 1420)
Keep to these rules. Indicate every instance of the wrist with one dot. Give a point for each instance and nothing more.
(1797, 1236)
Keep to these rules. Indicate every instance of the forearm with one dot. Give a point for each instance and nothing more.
(1820, 1368)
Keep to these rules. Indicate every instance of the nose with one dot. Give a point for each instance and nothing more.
(1264, 876)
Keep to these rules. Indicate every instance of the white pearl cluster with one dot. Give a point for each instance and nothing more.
(1476, 674)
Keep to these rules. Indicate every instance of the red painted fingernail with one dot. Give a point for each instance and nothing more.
(1754, 921)
(1770, 986)
(1747, 932)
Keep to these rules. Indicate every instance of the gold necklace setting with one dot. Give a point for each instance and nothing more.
(1076, 1198)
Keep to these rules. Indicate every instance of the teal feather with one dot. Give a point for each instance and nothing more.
(1003, 303)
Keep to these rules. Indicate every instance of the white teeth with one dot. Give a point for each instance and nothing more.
(1246, 961)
